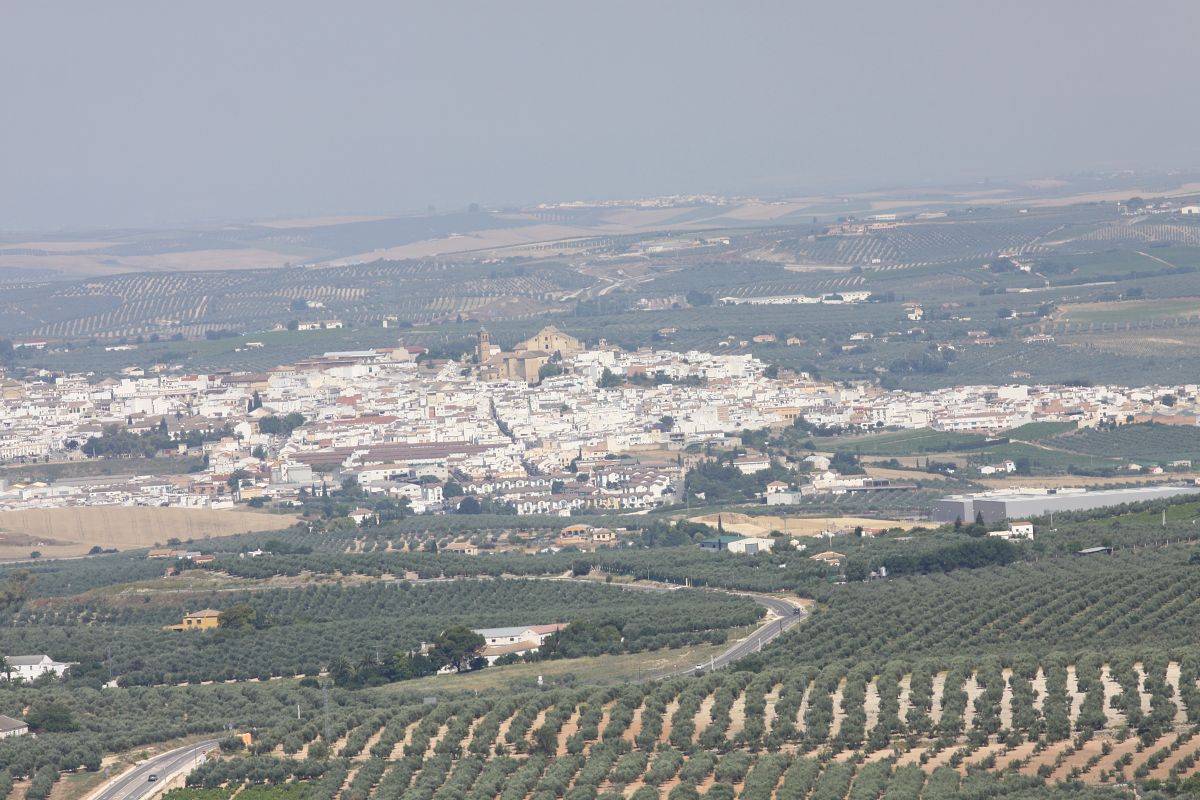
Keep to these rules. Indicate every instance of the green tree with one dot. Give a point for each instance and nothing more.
(51, 717)
(280, 426)
(238, 617)
(609, 379)
(235, 481)
(457, 646)
(16, 589)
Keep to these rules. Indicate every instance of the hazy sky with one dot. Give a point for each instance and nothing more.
(167, 111)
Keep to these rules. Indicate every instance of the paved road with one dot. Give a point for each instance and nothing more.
(788, 618)
(135, 784)
(789, 615)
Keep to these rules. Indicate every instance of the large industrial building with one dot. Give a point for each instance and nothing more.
(997, 506)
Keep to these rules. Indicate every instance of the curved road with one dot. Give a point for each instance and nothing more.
(136, 784)
(789, 615)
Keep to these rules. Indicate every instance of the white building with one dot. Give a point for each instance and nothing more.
(12, 727)
(1015, 530)
(748, 465)
(750, 545)
(29, 668)
(517, 640)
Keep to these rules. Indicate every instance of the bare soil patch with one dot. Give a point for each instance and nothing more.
(770, 699)
(66, 532)
(1112, 717)
(871, 703)
(569, 729)
(1173, 682)
(668, 719)
(703, 716)
(1006, 700)
(973, 691)
(1039, 689)
(838, 714)
(905, 702)
(1047, 756)
(1073, 693)
(1078, 759)
(737, 716)
(1143, 695)
(802, 712)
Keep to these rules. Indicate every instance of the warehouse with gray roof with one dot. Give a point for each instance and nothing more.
(998, 506)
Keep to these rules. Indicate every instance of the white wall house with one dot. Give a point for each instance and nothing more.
(12, 727)
(1015, 530)
(29, 668)
(500, 642)
(748, 465)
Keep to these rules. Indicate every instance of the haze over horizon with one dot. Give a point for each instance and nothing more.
(142, 113)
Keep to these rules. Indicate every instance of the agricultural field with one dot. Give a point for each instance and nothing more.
(1186, 309)
(192, 304)
(1058, 604)
(1081, 288)
(1036, 432)
(1040, 448)
(301, 631)
(1004, 679)
(1150, 443)
(67, 532)
(1042, 459)
(784, 733)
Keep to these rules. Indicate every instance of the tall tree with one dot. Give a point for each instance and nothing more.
(457, 646)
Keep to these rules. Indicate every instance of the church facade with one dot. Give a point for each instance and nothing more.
(525, 361)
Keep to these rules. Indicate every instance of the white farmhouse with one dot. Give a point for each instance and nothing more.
(12, 727)
(29, 668)
(517, 640)
(1015, 530)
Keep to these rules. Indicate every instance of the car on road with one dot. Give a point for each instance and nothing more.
(151, 778)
